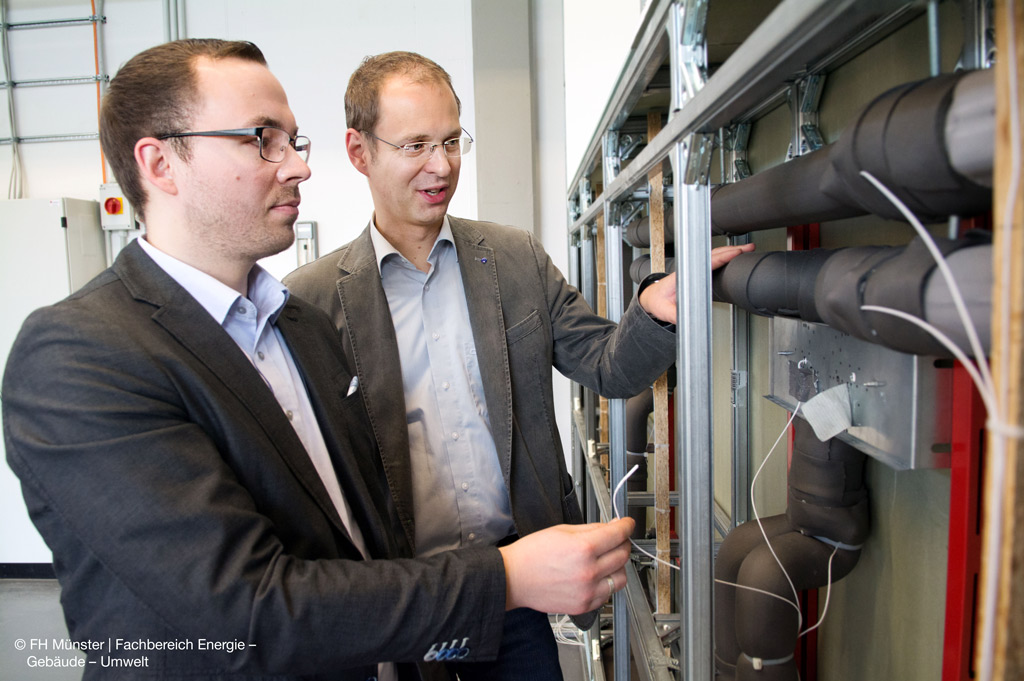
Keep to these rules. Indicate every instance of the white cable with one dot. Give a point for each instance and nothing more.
(757, 518)
(619, 515)
(828, 595)
(987, 397)
(562, 627)
(954, 288)
(761, 591)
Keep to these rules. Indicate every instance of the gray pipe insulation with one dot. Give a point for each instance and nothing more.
(829, 286)
(638, 409)
(827, 507)
(931, 142)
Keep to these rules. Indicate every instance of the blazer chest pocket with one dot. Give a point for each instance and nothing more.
(530, 324)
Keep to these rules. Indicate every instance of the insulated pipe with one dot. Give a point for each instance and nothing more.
(638, 232)
(640, 268)
(756, 633)
(931, 142)
(827, 286)
(638, 409)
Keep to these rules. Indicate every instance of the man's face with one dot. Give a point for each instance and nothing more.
(413, 192)
(236, 203)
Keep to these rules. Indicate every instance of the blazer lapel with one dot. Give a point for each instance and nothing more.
(191, 326)
(315, 352)
(372, 335)
(483, 297)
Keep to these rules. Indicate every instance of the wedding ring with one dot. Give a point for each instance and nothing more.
(611, 586)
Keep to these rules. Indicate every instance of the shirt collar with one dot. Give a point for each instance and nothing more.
(267, 293)
(383, 248)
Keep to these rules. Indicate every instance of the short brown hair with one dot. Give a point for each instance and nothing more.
(154, 93)
(362, 98)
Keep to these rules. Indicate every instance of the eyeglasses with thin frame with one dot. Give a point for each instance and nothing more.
(453, 148)
(274, 142)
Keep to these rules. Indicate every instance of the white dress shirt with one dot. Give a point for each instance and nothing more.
(459, 494)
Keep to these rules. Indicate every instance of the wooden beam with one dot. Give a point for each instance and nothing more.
(1007, 357)
(662, 482)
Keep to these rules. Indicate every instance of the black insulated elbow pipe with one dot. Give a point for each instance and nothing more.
(756, 631)
(931, 142)
(828, 286)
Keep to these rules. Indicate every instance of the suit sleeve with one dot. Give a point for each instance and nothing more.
(167, 522)
(614, 360)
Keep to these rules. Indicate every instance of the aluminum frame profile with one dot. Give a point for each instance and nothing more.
(655, 666)
(796, 33)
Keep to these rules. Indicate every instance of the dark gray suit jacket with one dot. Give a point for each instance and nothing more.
(180, 504)
(526, 318)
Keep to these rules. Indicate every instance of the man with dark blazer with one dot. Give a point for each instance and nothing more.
(192, 442)
(454, 326)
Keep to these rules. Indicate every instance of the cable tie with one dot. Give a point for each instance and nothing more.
(1010, 430)
(760, 662)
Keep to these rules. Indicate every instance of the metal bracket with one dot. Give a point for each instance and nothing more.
(629, 211)
(804, 100)
(698, 149)
(612, 162)
(629, 145)
(734, 141)
(689, 53)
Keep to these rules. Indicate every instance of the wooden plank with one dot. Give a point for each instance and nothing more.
(662, 482)
(1007, 357)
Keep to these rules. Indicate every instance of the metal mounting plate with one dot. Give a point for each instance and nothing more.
(901, 403)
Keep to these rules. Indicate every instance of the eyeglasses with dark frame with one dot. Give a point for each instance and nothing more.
(453, 148)
(273, 141)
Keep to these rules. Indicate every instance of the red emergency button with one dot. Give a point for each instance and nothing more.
(113, 206)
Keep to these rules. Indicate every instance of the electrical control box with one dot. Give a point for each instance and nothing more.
(115, 211)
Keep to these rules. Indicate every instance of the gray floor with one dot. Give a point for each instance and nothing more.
(30, 613)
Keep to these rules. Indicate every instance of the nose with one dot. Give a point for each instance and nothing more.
(438, 162)
(293, 168)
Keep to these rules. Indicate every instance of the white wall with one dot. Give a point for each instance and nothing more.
(598, 37)
(311, 46)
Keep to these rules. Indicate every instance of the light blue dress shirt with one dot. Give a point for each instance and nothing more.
(250, 323)
(459, 495)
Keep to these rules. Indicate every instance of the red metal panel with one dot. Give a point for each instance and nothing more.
(967, 453)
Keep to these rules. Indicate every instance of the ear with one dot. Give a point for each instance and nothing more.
(156, 163)
(358, 151)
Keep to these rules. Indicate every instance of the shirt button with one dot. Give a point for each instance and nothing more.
(465, 486)
(446, 385)
(435, 336)
(289, 414)
(261, 355)
(455, 436)
(241, 310)
(472, 536)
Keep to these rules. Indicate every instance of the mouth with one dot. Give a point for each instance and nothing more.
(434, 194)
(290, 206)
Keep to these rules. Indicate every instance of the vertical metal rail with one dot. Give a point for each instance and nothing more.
(616, 408)
(734, 168)
(691, 158)
(693, 415)
(739, 331)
